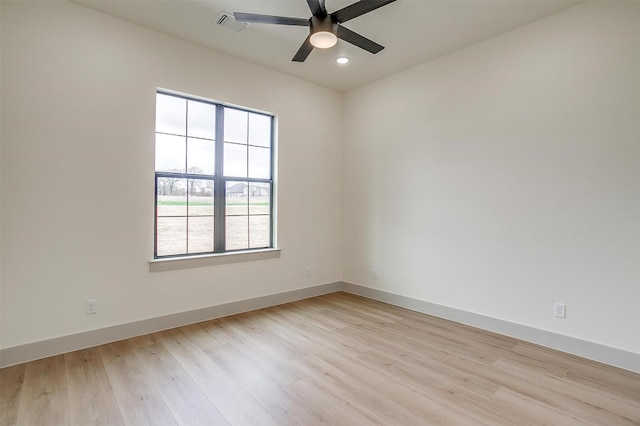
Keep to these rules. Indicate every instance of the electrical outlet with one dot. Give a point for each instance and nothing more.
(91, 307)
(560, 310)
(374, 273)
(307, 272)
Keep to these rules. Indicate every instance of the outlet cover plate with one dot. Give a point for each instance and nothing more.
(91, 307)
(560, 310)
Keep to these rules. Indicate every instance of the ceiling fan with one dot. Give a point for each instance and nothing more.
(324, 28)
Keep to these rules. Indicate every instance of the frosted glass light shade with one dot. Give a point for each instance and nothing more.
(323, 39)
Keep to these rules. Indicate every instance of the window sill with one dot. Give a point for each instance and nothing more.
(174, 263)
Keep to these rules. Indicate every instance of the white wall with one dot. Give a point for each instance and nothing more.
(78, 111)
(505, 177)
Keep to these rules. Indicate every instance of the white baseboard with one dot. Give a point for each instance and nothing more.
(59, 345)
(585, 349)
(594, 351)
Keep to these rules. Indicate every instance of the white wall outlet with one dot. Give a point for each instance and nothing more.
(560, 310)
(307, 272)
(374, 273)
(91, 307)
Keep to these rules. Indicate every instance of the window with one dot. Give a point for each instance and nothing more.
(213, 177)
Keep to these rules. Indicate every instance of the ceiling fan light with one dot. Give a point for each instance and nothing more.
(323, 39)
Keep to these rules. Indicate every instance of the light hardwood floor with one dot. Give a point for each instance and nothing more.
(334, 359)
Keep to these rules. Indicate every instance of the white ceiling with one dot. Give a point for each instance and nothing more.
(412, 31)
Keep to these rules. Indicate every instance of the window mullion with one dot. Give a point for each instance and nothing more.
(186, 166)
(219, 184)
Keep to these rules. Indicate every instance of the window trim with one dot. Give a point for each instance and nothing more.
(197, 261)
(220, 255)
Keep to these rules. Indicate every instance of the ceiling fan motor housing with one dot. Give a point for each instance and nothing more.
(326, 23)
(324, 31)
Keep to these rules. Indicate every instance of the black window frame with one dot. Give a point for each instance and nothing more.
(219, 181)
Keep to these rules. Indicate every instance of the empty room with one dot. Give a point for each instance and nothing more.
(272, 212)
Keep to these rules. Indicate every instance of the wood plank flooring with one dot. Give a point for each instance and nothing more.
(335, 359)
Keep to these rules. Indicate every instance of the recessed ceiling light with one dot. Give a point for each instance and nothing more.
(342, 60)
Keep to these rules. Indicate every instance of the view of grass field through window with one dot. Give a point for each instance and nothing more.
(213, 177)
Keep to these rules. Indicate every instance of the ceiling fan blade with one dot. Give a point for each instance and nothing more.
(317, 7)
(359, 8)
(268, 19)
(358, 40)
(304, 50)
